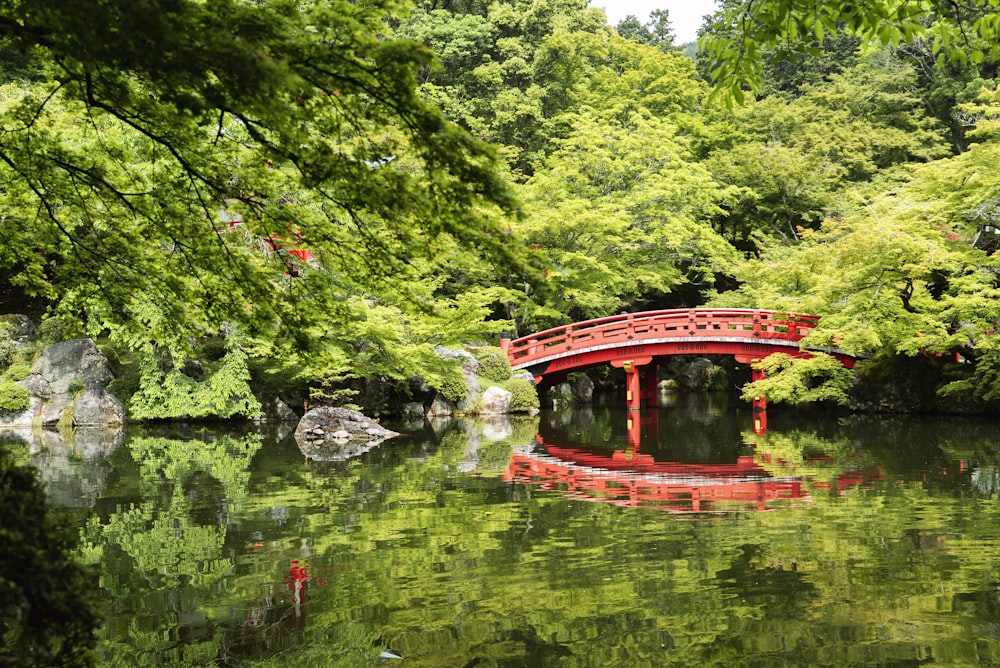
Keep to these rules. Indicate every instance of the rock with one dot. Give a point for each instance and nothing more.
(63, 369)
(97, 406)
(330, 422)
(470, 370)
(38, 386)
(25, 419)
(67, 361)
(57, 409)
(273, 409)
(582, 388)
(524, 375)
(696, 374)
(193, 369)
(561, 395)
(22, 329)
(496, 401)
(470, 365)
(440, 407)
(473, 391)
(412, 410)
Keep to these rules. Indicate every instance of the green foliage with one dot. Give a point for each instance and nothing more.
(17, 371)
(8, 346)
(48, 616)
(178, 158)
(898, 275)
(796, 380)
(638, 202)
(717, 380)
(52, 329)
(739, 34)
(494, 364)
(168, 394)
(983, 383)
(13, 397)
(451, 385)
(524, 395)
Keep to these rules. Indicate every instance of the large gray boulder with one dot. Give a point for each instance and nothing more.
(496, 401)
(328, 424)
(583, 389)
(66, 363)
(468, 361)
(97, 406)
(68, 385)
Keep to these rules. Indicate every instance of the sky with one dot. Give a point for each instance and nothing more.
(685, 15)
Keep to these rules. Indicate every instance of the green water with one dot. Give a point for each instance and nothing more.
(828, 541)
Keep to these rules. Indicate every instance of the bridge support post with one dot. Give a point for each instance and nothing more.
(652, 392)
(633, 386)
(759, 406)
(633, 397)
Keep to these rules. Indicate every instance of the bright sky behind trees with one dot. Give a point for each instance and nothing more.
(685, 15)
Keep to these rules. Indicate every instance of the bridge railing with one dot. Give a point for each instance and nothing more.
(675, 323)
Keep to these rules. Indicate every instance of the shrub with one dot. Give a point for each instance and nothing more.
(53, 330)
(494, 365)
(13, 397)
(524, 396)
(18, 371)
(452, 385)
(8, 346)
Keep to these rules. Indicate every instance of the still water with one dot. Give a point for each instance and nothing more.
(550, 541)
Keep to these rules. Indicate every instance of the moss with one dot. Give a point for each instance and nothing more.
(524, 396)
(18, 371)
(452, 386)
(13, 397)
(494, 365)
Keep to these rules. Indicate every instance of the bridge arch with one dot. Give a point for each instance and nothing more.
(634, 341)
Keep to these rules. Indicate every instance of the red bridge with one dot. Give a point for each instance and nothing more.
(634, 341)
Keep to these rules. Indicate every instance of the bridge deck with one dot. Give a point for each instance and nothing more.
(740, 332)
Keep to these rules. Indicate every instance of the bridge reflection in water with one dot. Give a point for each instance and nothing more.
(627, 478)
(631, 478)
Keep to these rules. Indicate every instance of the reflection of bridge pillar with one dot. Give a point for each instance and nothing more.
(635, 424)
(759, 406)
(634, 432)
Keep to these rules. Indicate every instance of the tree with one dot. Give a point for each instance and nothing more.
(658, 32)
(899, 274)
(636, 200)
(740, 33)
(157, 178)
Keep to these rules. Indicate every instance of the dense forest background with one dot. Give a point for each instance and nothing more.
(302, 195)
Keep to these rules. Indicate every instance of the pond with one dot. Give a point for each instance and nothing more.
(549, 541)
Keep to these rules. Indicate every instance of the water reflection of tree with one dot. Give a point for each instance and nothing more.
(166, 552)
(47, 611)
(450, 567)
